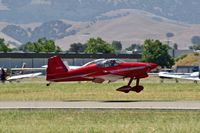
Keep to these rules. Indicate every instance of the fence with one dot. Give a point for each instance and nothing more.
(34, 60)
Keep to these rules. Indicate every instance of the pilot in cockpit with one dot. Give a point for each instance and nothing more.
(112, 62)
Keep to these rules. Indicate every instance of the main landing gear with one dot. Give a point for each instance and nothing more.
(128, 88)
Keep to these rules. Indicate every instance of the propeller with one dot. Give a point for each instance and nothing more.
(3, 75)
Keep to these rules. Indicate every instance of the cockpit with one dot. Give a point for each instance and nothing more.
(104, 62)
(93, 62)
(108, 63)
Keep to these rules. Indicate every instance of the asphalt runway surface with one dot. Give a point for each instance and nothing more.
(150, 105)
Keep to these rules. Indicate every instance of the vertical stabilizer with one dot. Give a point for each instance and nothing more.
(56, 65)
(23, 66)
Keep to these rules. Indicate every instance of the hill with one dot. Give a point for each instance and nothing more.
(126, 25)
(134, 26)
(189, 60)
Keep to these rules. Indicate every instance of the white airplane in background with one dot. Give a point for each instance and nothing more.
(17, 77)
(6, 74)
(195, 76)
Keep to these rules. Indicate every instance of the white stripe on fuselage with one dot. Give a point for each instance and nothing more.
(128, 69)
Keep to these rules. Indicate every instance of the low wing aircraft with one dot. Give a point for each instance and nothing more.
(16, 77)
(5, 76)
(99, 71)
(195, 76)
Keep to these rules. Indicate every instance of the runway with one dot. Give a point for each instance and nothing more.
(150, 105)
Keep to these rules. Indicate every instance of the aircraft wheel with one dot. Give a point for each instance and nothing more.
(137, 89)
(124, 89)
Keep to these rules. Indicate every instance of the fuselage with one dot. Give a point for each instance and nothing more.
(89, 72)
(99, 71)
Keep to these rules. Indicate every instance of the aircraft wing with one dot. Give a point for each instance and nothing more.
(168, 75)
(188, 77)
(28, 69)
(23, 76)
(192, 78)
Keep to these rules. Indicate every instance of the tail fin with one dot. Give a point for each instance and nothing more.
(55, 65)
(23, 66)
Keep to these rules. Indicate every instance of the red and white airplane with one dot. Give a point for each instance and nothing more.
(99, 71)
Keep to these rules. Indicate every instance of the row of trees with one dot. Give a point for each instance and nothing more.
(116, 45)
(152, 50)
(41, 45)
(97, 45)
(93, 45)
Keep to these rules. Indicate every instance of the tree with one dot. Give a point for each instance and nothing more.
(27, 47)
(4, 47)
(41, 45)
(117, 45)
(77, 47)
(133, 47)
(98, 46)
(58, 49)
(156, 52)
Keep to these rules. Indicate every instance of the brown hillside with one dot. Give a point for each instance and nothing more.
(128, 26)
(189, 60)
(134, 27)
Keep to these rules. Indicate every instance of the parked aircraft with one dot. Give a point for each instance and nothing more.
(99, 71)
(7, 74)
(22, 76)
(195, 76)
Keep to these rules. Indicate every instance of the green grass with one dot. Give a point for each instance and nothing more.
(37, 91)
(97, 121)
(54, 121)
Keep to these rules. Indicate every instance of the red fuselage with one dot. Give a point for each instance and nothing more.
(88, 73)
(99, 71)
